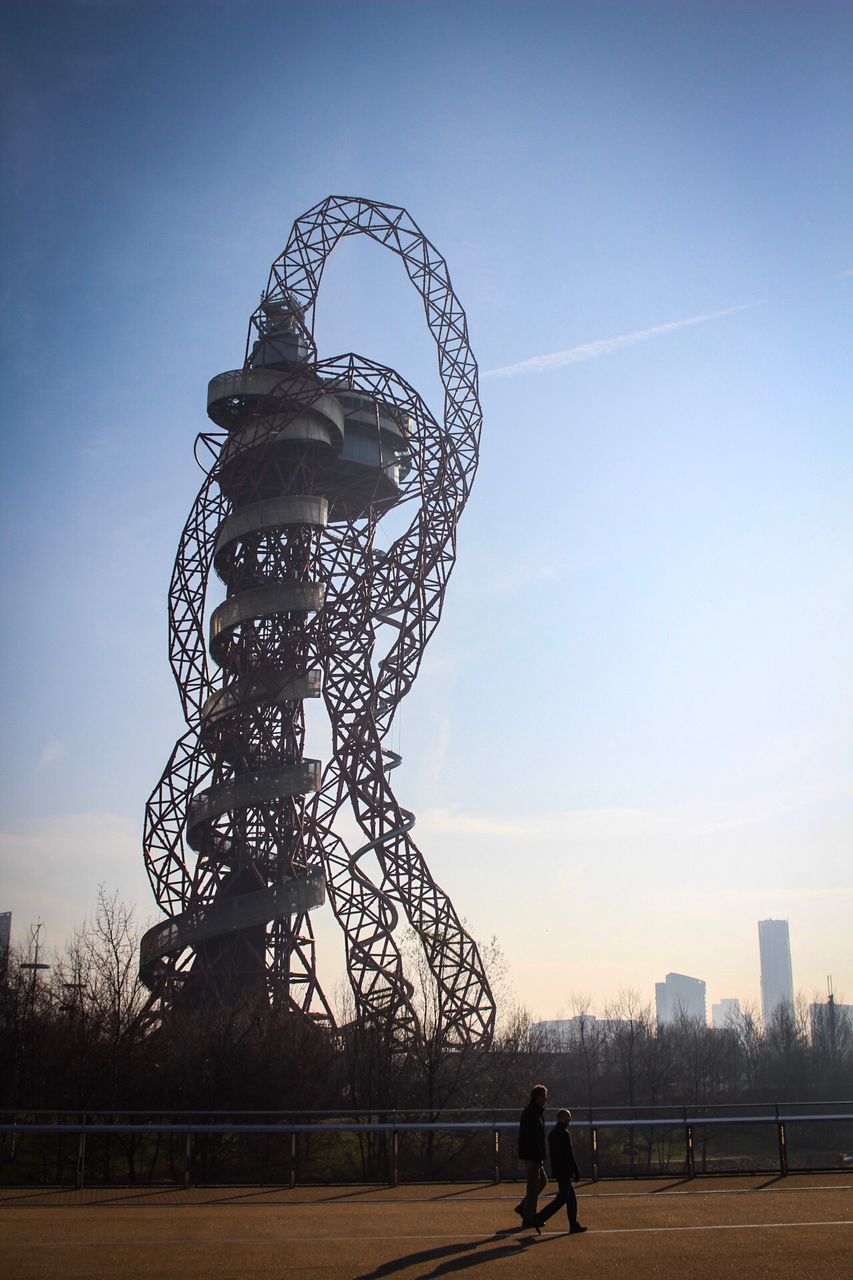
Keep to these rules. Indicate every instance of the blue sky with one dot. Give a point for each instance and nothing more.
(631, 736)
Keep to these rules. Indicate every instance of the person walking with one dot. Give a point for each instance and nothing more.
(564, 1168)
(531, 1151)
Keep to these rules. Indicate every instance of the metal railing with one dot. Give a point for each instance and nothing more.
(596, 1134)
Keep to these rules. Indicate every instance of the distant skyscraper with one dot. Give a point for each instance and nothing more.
(680, 995)
(725, 1013)
(5, 933)
(777, 983)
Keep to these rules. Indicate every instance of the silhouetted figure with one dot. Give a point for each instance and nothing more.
(564, 1168)
(531, 1151)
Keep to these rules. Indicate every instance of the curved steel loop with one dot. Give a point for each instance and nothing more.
(422, 560)
(187, 593)
(165, 816)
(295, 277)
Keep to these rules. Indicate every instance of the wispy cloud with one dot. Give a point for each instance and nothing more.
(438, 751)
(845, 275)
(516, 580)
(594, 825)
(50, 869)
(829, 798)
(770, 896)
(52, 751)
(607, 346)
(617, 826)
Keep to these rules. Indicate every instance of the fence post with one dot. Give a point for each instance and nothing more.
(188, 1160)
(395, 1159)
(81, 1161)
(497, 1152)
(594, 1133)
(783, 1145)
(690, 1156)
(293, 1159)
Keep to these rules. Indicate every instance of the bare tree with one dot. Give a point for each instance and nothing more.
(590, 1040)
(629, 1025)
(97, 984)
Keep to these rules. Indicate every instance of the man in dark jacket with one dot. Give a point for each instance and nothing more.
(564, 1168)
(531, 1151)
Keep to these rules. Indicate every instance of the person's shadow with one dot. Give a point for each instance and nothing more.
(448, 1263)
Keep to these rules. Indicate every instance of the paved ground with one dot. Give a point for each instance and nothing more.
(800, 1226)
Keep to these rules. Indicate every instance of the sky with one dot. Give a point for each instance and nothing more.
(631, 736)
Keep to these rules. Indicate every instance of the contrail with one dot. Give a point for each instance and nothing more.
(606, 346)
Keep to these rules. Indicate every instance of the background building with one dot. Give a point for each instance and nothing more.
(5, 932)
(777, 983)
(678, 995)
(830, 1020)
(562, 1033)
(725, 1012)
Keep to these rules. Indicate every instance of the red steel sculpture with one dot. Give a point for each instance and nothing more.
(242, 832)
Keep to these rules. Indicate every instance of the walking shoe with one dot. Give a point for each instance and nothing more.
(576, 1230)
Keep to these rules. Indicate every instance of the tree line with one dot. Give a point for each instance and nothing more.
(76, 1037)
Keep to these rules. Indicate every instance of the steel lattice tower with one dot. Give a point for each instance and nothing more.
(240, 833)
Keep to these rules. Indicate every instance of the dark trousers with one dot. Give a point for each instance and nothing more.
(537, 1180)
(565, 1196)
